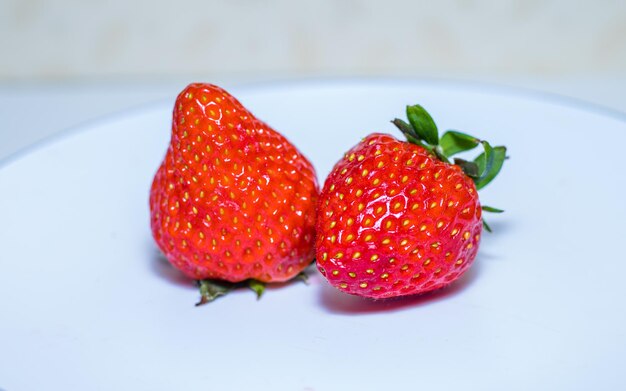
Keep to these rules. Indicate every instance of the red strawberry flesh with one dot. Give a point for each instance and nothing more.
(394, 220)
(233, 199)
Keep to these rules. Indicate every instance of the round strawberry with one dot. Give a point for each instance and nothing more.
(398, 218)
(233, 200)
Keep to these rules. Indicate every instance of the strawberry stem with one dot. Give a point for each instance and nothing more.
(438, 151)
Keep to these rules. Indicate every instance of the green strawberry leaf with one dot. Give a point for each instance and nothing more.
(257, 286)
(212, 289)
(491, 209)
(453, 142)
(469, 168)
(484, 160)
(486, 226)
(423, 124)
(407, 131)
(489, 164)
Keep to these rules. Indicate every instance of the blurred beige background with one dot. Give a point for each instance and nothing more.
(64, 62)
(65, 39)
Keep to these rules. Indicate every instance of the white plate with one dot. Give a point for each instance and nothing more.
(87, 303)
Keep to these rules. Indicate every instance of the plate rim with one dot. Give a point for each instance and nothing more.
(491, 88)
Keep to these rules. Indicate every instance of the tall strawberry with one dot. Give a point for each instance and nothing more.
(233, 200)
(398, 218)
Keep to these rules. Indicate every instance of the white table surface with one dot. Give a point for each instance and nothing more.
(32, 112)
(543, 308)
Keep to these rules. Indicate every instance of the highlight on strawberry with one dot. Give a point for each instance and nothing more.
(233, 202)
(400, 218)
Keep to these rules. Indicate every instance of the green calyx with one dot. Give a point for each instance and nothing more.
(422, 130)
(212, 289)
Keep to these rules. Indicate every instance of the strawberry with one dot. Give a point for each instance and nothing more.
(398, 218)
(233, 200)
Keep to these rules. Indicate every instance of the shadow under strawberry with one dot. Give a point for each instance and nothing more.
(163, 269)
(212, 289)
(337, 302)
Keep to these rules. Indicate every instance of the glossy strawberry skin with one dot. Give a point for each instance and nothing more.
(233, 199)
(393, 220)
